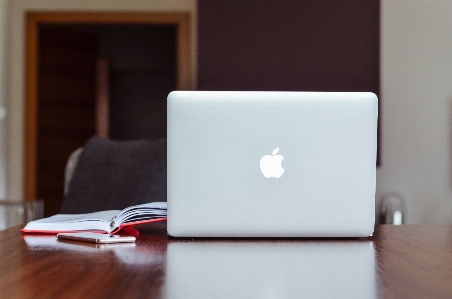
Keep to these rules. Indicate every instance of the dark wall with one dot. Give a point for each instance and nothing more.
(143, 72)
(320, 45)
(142, 60)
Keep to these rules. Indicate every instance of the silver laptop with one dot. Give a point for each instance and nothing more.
(271, 164)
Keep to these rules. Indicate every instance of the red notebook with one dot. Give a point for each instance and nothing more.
(109, 222)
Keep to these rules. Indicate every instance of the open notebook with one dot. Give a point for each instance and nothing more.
(105, 221)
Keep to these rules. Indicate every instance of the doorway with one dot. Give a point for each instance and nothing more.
(63, 51)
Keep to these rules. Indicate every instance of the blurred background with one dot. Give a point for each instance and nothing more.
(134, 52)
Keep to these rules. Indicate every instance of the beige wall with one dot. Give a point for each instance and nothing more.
(16, 29)
(416, 91)
(4, 8)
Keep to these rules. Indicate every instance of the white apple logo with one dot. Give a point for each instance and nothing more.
(271, 165)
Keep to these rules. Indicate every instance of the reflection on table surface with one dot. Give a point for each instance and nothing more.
(124, 253)
(270, 270)
(231, 269)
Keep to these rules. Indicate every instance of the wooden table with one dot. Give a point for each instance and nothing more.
(397, 262)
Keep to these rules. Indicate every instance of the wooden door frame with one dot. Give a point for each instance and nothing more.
(184, 60)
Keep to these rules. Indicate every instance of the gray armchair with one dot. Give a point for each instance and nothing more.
(112, 175)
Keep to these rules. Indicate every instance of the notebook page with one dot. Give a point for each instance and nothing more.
(72, 222)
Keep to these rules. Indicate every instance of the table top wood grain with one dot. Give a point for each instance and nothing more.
(409, 261)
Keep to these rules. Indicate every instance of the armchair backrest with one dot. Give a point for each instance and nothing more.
(112, 175)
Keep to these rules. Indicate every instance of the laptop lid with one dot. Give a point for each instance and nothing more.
(271, 164)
